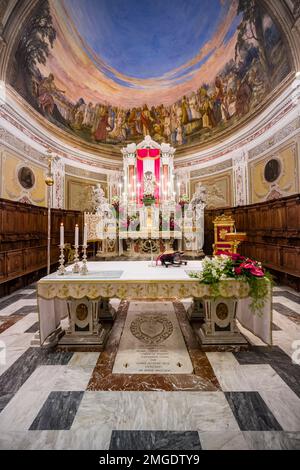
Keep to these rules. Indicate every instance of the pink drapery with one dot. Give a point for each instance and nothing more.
(147, 153)
(140, 180)
(157, 175)
(142, 153)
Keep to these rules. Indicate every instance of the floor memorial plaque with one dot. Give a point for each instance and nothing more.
(152, 342)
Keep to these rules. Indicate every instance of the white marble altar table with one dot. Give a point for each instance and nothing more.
(138, 280)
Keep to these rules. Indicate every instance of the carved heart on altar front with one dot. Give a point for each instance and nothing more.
(152, 329)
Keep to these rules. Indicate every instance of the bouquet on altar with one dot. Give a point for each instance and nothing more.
(225, 266)
(115, 202)
(148, 198)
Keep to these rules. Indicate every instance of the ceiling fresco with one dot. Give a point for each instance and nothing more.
(111, 71)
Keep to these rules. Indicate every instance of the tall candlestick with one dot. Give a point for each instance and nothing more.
(85, 235)
(62, 238)
(76, 235)
(61, 270)
(84, 269)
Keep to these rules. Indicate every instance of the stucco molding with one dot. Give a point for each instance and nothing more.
(276, 139)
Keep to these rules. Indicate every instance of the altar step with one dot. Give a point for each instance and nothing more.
(69, 342)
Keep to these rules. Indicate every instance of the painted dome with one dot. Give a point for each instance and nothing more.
(183, 71)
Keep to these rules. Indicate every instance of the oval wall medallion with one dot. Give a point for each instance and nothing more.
(151, 329)
(272, 170)
(26, 177)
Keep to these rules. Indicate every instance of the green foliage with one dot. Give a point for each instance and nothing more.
(39, 35)
(259, 290)
(234, 266)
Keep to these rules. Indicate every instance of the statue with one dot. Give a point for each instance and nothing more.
(149, 183)
(98, 198)
(199, 197)
(197, 204)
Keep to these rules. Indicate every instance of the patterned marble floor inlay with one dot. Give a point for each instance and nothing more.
(58, 411)
(10, 300)
(26, 309)
(155, 440)
(17, 374)
(275, 327)
(251, 412)
(7, 321)
(291, 314)
(31, 296)
(202, 378)
(33, 328)
(287, 295)
(278, 359)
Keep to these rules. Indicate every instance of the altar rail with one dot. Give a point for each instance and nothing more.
(23, 241)
(273, 234)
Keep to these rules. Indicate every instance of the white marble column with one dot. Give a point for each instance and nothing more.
(240, 175)
(58, 170)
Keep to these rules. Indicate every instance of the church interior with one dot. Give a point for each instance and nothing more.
(149, 225)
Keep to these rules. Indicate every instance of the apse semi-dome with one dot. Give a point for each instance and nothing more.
(182, 71)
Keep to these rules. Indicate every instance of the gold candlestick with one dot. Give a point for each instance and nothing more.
(84, 268)
(76, 268)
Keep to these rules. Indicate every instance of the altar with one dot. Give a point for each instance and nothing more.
(85, 301)
(146, 213)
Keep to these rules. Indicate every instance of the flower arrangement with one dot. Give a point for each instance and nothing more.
(148, 199)
(226, 265)
(133, 222)
(115, 201)
(171, 226)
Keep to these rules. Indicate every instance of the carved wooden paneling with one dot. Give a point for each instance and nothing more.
(273, 230)
(291, 259)
(15, 263)
(23, 237)
(2, 267)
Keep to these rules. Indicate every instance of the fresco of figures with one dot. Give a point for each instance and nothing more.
(259, 64)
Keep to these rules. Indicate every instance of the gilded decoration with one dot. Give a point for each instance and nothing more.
(223, 234)
(139, 290)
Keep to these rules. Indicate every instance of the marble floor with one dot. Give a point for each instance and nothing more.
(72, 400)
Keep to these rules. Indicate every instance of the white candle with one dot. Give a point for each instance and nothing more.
(76, 235)
(62, 240)
(85, 235)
